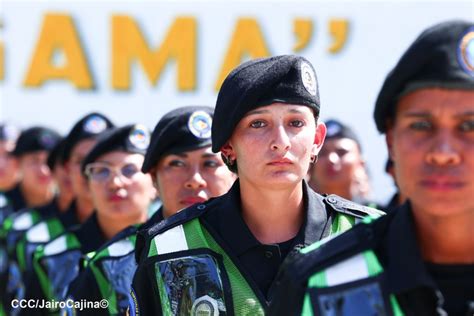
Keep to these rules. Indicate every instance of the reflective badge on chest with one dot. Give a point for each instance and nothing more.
(362, 297)
(191, 285)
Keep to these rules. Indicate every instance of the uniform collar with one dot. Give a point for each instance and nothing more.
(69, 218)
(90, 234)
(16, 198)
(225, 217)
(405, 268)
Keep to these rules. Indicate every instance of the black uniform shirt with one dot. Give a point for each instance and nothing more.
(259, 262)
(90, 235)
(407, 274)
(69, 218)
(393, 239)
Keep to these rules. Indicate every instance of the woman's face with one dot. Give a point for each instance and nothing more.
(8, 165)
(37, 181)
(273, 144)
(339, 161)
(190, 177)
(120, 191)
(73, 168)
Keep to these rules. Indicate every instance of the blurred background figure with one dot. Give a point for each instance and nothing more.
(341, 167)
(36, 187)
(9, 175)
(64, 192)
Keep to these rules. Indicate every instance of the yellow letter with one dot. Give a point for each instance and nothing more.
(59, 37)
(338, 29)
(247, 40)
(303, 29)
(129, 45)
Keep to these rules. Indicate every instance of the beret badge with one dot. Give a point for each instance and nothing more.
(139, 137)
(95, 124)
(200, 124)
(308, 77)
(466, 52)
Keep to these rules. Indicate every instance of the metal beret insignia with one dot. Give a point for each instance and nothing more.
(466, 52)
(199, 124)
(139, 137)
(308, 77)
(95, 124)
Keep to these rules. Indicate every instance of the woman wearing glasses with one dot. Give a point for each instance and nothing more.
(185, 171)
(121, 194)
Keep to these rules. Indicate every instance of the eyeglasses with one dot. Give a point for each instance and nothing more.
(102, 172)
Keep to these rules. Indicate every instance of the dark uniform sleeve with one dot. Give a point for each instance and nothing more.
(33, 291)
(85, 287)
(145, 301)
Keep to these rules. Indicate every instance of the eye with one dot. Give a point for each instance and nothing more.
(99, 173)
(341, 152)
(297, 123)
(467, 126)
(211, 164)
(129, 170)
(176, 163)
(421, 126)
(257, 124)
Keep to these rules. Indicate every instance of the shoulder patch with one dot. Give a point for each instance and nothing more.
(39, 233)
(342, 205)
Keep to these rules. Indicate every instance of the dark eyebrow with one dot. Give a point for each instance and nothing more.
(257, 111)
(182, 155)
(208, 155)
(416, 114)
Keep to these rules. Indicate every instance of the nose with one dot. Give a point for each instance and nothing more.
(281, 140)
(44, 169)
(115, 180)
(195, 180)
(333, 158)
(443, 152)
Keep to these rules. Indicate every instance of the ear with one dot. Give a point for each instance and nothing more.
(389, 141)
(319, 137)
(154, 179)
(228, 151)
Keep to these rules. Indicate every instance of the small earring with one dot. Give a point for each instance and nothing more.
(227, 160)
(314, 158)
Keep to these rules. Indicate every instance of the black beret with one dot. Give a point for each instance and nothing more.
(183, 129)
(441, 57)
(133, 138)
(336, 129)
(89, 126)
(55, 155)
(9, 132)
(260, 82)
(35, 139)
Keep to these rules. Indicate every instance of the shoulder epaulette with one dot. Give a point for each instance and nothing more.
(145, 235)
(179, 218)
(342, 205)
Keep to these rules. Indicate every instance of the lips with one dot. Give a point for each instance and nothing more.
(190, 200)
(280, 162)
(442, 183)
(116, 197)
